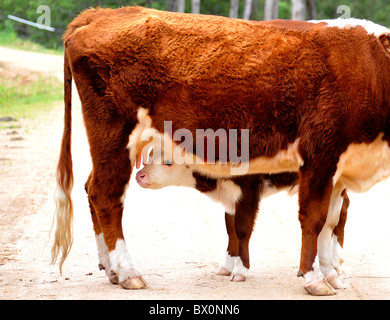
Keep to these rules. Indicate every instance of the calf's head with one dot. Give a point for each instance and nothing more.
(161, 171)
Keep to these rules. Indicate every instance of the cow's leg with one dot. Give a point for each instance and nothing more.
(106, 186)
(338, 236)
(325, 251)
(104, 260)
(315, 191)
(232, 249)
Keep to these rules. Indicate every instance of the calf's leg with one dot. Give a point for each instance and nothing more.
(244, 220)
(232, 249)
(240, 226)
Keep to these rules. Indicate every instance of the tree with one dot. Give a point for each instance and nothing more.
(247, 10)
(234, 4)
(311, 9)
(195, 6)
(181, 4)
(271, 9)
(298, 9)
(171, 5)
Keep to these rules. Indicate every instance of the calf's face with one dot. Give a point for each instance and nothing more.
(163, 173)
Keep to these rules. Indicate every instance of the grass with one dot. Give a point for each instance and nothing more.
(25, 94)
(9, 39)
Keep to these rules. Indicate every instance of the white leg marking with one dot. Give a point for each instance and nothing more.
(315, 275)
(338, 255)
(315, 283)
(324, 242)
(228, 266)
(104, 260)
(239, 271)
(121, 262)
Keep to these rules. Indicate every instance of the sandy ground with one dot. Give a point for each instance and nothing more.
(176, 236)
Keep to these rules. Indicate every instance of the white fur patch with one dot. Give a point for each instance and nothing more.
(144, 123)
(363, 165)
(229, 262)
(324, 241)
(315, 275)
(371, 27)
(227, 193)
(102, 251)
(121, 262)
(338, 255)
(239, 268)
(288, 160)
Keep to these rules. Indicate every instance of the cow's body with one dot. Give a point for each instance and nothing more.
(312, 101)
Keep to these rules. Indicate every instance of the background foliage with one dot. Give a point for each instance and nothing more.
(63, 11)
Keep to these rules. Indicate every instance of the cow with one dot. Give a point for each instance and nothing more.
(314, 102)
(240, 197)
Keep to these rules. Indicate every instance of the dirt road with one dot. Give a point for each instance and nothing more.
(176, 236)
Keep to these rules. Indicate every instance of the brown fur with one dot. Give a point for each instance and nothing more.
(326, 86)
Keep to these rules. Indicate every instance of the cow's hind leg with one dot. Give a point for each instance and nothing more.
(106, 187)
(315, 192)
(104, 260)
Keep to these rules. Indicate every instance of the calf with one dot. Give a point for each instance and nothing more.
(310, 101)
(240, 197)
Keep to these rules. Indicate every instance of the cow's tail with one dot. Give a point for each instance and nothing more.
(64, 175)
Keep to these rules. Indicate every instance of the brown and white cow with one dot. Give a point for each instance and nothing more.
(314, 102)
(240, 197)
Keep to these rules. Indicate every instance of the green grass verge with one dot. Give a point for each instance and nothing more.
(9, 39)
(27, 94)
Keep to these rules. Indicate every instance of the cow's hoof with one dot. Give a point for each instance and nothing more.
(319, 288)
(237, 278)
(112, 276)
(224, 272)
(336, 282)
(134, 283)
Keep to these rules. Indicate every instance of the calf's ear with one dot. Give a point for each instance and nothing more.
(384, 39)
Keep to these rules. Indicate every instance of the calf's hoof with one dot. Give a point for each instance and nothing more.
(319, 288)
(336, 282)
(237, 278)
(224, 272)
(112, 276)
(134, 283)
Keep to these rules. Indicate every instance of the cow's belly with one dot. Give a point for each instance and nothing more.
(364, 165)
